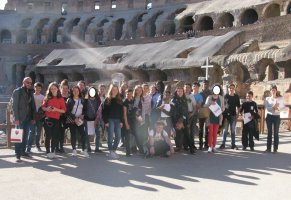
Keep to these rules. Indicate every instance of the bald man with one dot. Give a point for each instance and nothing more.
(23, 107)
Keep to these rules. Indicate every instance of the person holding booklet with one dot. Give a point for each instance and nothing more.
(215, 102)
(250, 114)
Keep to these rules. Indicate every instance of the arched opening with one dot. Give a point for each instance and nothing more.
(70, 27)
(6, 37)
(225, 20)
(287, 69)
(134, 24)
(85, 27)
(99, 35)
(239, 72)
(58, 23)
(205, 24)
(55, 62)
(216, 74)
(267, 70)
(289, 8)
(92, 76)
(26, 23)
(155, 75)
(272, 10)
(151, 25)
(185, 53)
(77, 76)
(119, 28)
(249, 16)
(21, 37)
(39, 29)
(187, 24)
(61, 76)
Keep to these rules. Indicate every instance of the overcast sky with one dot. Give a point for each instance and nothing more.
(2, 4)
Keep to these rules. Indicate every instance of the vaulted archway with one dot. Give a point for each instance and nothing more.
(272, 10)
(249, 16)
(225, 20)
(205, 24)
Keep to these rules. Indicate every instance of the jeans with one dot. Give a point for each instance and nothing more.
(232, 123)
(114, 126)
(202, 123)
(98, 130)
(273, 120)
(74, 129)
(34, 135)
(20, 147)
(248, 134)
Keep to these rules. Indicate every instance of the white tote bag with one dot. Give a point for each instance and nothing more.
(91, 127)
(16, 135)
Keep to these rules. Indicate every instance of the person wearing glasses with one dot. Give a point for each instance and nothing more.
(23, 107)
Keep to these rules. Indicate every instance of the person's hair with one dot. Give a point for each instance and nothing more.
(231, 85)
(162, 86)
(176, 95)
(49, 94)
(250, 93)
(196, 83)
(160, 123)
(96, 91)
(273, 87)
(64, 82)
(82, 81)
(72, 93)
(134, 91)
(128, 90)
(206, 81)
(109, 94)
(38, 84)
(188, 84)
(145, 84)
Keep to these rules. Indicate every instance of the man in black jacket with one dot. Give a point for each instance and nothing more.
(23, 107)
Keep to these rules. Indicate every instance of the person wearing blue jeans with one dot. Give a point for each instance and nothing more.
(23, 107)
(273, 105)
(34, 135)
(112, 114)
(232, 106)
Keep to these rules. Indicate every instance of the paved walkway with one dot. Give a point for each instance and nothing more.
(229, 174)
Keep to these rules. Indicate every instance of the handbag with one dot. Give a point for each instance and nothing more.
(16, 135)
(204, 112)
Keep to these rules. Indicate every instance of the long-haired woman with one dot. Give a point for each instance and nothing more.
(75, 109)
(180, 119)
(112, 115)
(53, 105)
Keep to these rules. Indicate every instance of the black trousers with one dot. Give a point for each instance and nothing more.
(248, 134)
(74, 129)
(52, 130)
(202, 123)
(183, 137)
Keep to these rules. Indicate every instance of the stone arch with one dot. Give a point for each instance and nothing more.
(151, 25)
(21, 37)
(61, 76)
(205, 24)
(119, 28)
(134, 24)
(157, 74)
(216, 73)
(69, 28)
(225, 20)
(6, 36)
(85, 27)
(267, 70)
(140, 75)
(239, 72)
(39, 30)
(249, 16)
(287, 69)
(58, 23)
(25, 23)
(271, 10)
(187, 24)
(288, 11)
(99, 35)
(76, 76)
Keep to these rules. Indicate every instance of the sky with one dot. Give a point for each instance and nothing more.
(2, 4)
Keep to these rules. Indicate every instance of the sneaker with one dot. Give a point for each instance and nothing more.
(275, 151)
(214, 150)
(252, 149)
(74, 153)
(98, 151)
(37, 149)
(222, 146)
(18, 160)
(116, 155)
(89, 150)
(50, 155)
(234, 147)
(209, 149)
(85, 153)
(27, 155)
(244, 148)
(268, 151)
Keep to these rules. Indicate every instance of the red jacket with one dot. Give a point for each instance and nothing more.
(55, 102)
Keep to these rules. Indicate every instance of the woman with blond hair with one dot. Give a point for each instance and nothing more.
(53, 105)
(112, 115)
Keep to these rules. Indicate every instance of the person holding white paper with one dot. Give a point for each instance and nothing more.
(214, 100)
(250, 111)
(273, 105)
